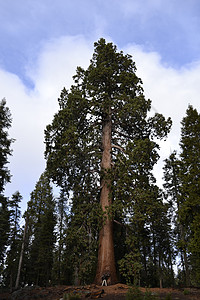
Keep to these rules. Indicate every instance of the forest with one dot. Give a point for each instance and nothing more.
(109, 219)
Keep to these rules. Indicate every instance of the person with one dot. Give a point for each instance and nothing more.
(104, 279)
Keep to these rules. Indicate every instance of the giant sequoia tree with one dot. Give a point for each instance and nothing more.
(100, 145)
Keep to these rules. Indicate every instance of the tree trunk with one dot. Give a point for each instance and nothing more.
(106, 259)
(60, 244)
(160, 272)
(187, 272)
(21, 254)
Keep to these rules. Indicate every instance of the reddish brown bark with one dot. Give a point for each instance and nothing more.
(106, 258)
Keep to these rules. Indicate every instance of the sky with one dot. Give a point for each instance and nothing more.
(42, 43)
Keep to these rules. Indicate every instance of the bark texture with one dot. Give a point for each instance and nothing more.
(106, 258)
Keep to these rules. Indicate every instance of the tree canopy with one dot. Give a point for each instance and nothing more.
(182, 184)
(101, 144)
(110, 221)
(5, 151)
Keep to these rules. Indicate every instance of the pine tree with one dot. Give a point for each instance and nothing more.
(190, 178)
(100, 144)
(183, 186)
(149, 256)
(12, 259)
(5, 151)
(162, 244)
(59, 267)
(22, 249)
(42, 221)
(173, 187)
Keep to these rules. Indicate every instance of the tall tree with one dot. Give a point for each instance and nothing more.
(148, 257)
(61, 213)
(12, 259)
(5, 151)
(190, 178)
(21, 255)
(90, 145)
(173, 187)
(42, 221)
(183, 186)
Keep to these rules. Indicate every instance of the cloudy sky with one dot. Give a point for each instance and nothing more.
(43, 41)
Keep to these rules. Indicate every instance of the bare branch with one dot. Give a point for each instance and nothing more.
(117, 222)
(118, 147)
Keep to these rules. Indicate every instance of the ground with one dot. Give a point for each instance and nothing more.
(114, 292)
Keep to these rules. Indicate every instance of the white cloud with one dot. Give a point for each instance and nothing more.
(33, 109)
(60, 57)
(170, 90)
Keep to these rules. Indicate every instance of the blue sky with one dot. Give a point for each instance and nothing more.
(170, 28)
(43, 41)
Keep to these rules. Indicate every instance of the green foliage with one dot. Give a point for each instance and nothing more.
(183, 188)
(149, 296)
(4, 228)
(42, 221)
(15, 238)
(70, 297)
(135, 293)
(107, 92)
(168, 296)
(59, 266)
(5, 151)
(5, 143)
(130, 266)
(82, 252)
(190, 178)
(186, 292)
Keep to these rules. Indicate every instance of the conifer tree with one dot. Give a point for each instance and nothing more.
(42, 221)
(5, 151)
(59, 267)
(173, 187)
(12, 259)
(100, 145)
(183, 184)
(190, 190)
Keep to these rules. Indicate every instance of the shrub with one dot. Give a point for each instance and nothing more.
(168, 297)
(186, 292)
(135, 294)
(71, 297)
(149, 296)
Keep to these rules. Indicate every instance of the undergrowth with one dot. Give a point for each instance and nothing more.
(134, 293)
(71, 297)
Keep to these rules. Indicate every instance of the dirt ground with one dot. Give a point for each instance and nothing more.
(113, 292)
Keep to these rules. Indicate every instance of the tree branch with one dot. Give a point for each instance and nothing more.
(118, 147)
(117, 222)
